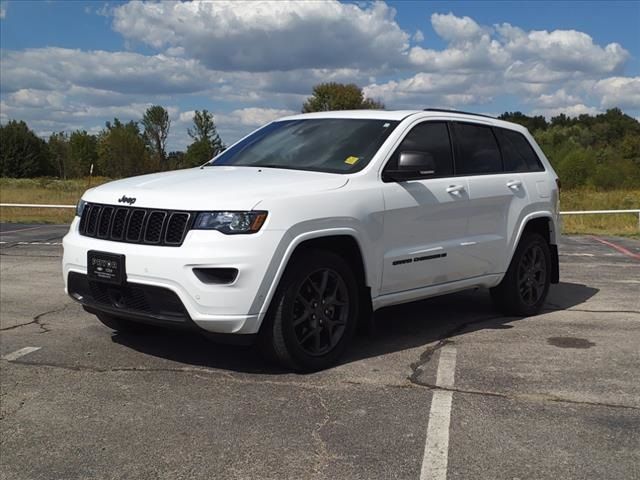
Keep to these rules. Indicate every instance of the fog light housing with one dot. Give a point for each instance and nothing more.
(216, 276)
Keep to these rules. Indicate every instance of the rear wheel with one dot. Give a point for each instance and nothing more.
(122, 325)
(525, 286)
(314, 312)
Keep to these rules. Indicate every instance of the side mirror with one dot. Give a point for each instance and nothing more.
(412, 165)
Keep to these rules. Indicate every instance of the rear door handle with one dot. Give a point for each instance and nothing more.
(455, 189)
(514, 184)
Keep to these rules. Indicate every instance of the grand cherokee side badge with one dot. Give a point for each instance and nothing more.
(125, 199)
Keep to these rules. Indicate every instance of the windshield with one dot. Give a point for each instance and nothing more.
(336, 145)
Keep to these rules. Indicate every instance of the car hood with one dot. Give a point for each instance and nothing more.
(212, 188)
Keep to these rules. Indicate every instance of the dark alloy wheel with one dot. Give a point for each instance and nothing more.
(524, 288)
(320, 312)
(313, 314)
(532, 275)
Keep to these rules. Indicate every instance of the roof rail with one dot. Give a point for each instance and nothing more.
(456, 111)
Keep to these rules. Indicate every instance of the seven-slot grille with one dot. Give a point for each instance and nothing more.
(135, 225)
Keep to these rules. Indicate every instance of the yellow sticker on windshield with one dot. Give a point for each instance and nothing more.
(352, 160)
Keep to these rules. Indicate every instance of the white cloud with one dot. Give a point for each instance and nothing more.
(562, 50)
(480, 63)
(251, 62)
(125, 72)
(28, 98)
(456, 29)
(559, 98)
(470, 47)
(255, 117)
(3, 9)
(268, 35)
(46, 118)
(569, 111)
(434, 90)
(621, 92)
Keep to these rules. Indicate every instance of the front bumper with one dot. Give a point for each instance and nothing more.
(219, 308)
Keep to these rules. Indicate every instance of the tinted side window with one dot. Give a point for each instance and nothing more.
(518, 154)
(476, 150)
(428, 137)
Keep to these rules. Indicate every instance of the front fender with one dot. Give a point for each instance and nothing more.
(293, 238)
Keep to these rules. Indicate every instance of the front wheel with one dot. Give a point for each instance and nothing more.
(525, 286)
(314, 312)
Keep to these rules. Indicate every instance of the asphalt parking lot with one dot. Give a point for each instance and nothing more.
(443, 388)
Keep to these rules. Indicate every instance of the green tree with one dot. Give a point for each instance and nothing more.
(338, 96)
(175, 159)
(575, 169)
(122, 151)
(531, 123)
(206, 141)
(58, 145)
(83, 152)
(22, 152)
(156, 123)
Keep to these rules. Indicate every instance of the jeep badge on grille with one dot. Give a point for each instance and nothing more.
(128, 200)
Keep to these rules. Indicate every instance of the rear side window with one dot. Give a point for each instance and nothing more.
(476, 150)
(517, 152)
(428, 137)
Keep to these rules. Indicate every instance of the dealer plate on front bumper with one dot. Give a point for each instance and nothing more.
(106, 267)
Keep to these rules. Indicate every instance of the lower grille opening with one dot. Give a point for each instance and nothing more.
(133, 298)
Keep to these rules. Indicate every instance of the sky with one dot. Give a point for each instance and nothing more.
(67, 65)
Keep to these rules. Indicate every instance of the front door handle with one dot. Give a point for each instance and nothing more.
(455, 189)
(514, 184)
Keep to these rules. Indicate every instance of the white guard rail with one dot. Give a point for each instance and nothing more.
(602, 212)
(574, 212)
(34, 205)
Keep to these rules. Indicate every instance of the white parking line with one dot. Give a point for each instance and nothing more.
(20, 353)
(33, 243)
(39, 243)
(436, 448)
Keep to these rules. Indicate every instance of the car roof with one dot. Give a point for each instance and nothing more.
(398, 115)
(370, 114)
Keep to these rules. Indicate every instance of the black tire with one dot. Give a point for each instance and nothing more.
(313, 315)
(525, 286)
(122, 325)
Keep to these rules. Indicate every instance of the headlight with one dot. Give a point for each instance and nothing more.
(230, 222)
(80, 207)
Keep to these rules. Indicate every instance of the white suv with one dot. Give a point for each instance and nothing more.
(302, 229)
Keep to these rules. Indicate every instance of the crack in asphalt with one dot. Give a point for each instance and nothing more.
(26, 255)
(323, 456)
(583, 310)
(417, 368)
(37, 321)
(540, 397)
(9, 413)
(415, 383)
(558, 308)
(189, 370)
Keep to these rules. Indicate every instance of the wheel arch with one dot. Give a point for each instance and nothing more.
(543, 224)
(346, 242)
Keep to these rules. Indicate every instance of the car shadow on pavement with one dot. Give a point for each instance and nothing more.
(393, 329)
